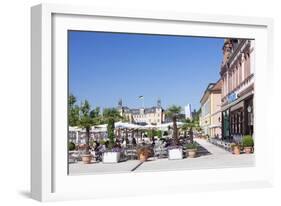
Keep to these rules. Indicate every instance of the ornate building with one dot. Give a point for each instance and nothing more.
(153, 115)
(237, 75)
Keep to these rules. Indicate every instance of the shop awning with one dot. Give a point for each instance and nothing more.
(237, 101)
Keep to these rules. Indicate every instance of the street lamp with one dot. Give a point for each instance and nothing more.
(249, 109)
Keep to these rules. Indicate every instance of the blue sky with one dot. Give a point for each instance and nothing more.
(104, 67)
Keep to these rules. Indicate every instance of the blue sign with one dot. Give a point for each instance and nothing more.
(231, 97)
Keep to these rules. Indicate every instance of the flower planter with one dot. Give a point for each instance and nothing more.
(144, 153)
(143, 157)
(111, 157)
(236, 150)
(248, 150)
(191, 153)
(87, 158)
(248, 143)
(175, 154)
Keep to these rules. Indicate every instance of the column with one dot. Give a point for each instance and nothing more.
(226, 82)
(252, 57)
(242, 66)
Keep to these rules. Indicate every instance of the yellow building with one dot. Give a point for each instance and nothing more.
(210, 118)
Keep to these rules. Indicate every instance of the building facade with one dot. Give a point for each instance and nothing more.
(237, 75)
(210, 117)
(153, 115)
(187, 112)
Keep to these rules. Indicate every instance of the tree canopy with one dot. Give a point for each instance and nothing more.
(173, 111)
(73, 117)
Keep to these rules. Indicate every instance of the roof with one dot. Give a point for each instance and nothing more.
(212, 87)
(217, 86)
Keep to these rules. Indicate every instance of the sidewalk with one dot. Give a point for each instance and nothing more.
(215, 150)
(217, 158)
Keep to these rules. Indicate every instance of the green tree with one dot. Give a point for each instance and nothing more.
(110, 130)
(83, 116)
(73, 109)
(110, 116)
(189, 125)
(174, 112)
(152, 133)
(159, 133)
(185, 127)
(86, 121)
(95, 114)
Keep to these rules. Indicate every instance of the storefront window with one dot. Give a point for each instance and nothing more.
(226, 124)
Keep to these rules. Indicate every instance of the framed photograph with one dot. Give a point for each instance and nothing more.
(138, 102)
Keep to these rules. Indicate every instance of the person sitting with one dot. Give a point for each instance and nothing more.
(134, 142)
(117, 144)
(96, 145)
(99, 151)
(127, 140)
(124, 143)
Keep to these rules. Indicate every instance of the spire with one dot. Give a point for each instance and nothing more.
(158, 102)
(120, 103)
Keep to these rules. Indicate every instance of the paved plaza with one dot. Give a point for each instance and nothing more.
(214, 157)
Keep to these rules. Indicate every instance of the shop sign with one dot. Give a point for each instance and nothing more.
(231, 97)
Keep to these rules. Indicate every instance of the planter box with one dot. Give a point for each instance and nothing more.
(111, 157)
(191, 153)
(87, 159)
(175, 154)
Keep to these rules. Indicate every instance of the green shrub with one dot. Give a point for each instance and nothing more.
(191, 146)
(71, 146)
(110, 130)
(247, 141)
(159, 133)
(102, 142)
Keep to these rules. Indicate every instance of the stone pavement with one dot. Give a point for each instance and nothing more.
(216, 158)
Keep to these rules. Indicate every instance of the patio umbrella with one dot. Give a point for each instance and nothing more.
(165, 126)
(149, 126)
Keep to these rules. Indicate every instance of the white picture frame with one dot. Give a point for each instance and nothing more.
(49, 179)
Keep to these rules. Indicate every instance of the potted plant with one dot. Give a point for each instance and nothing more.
(112, 155)
(191, 149)
(71, 151)
(86, 121)
(248, 144)
(235, 148)
(144, 153)
(71, 146)
(86, 155)
(175, 152)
